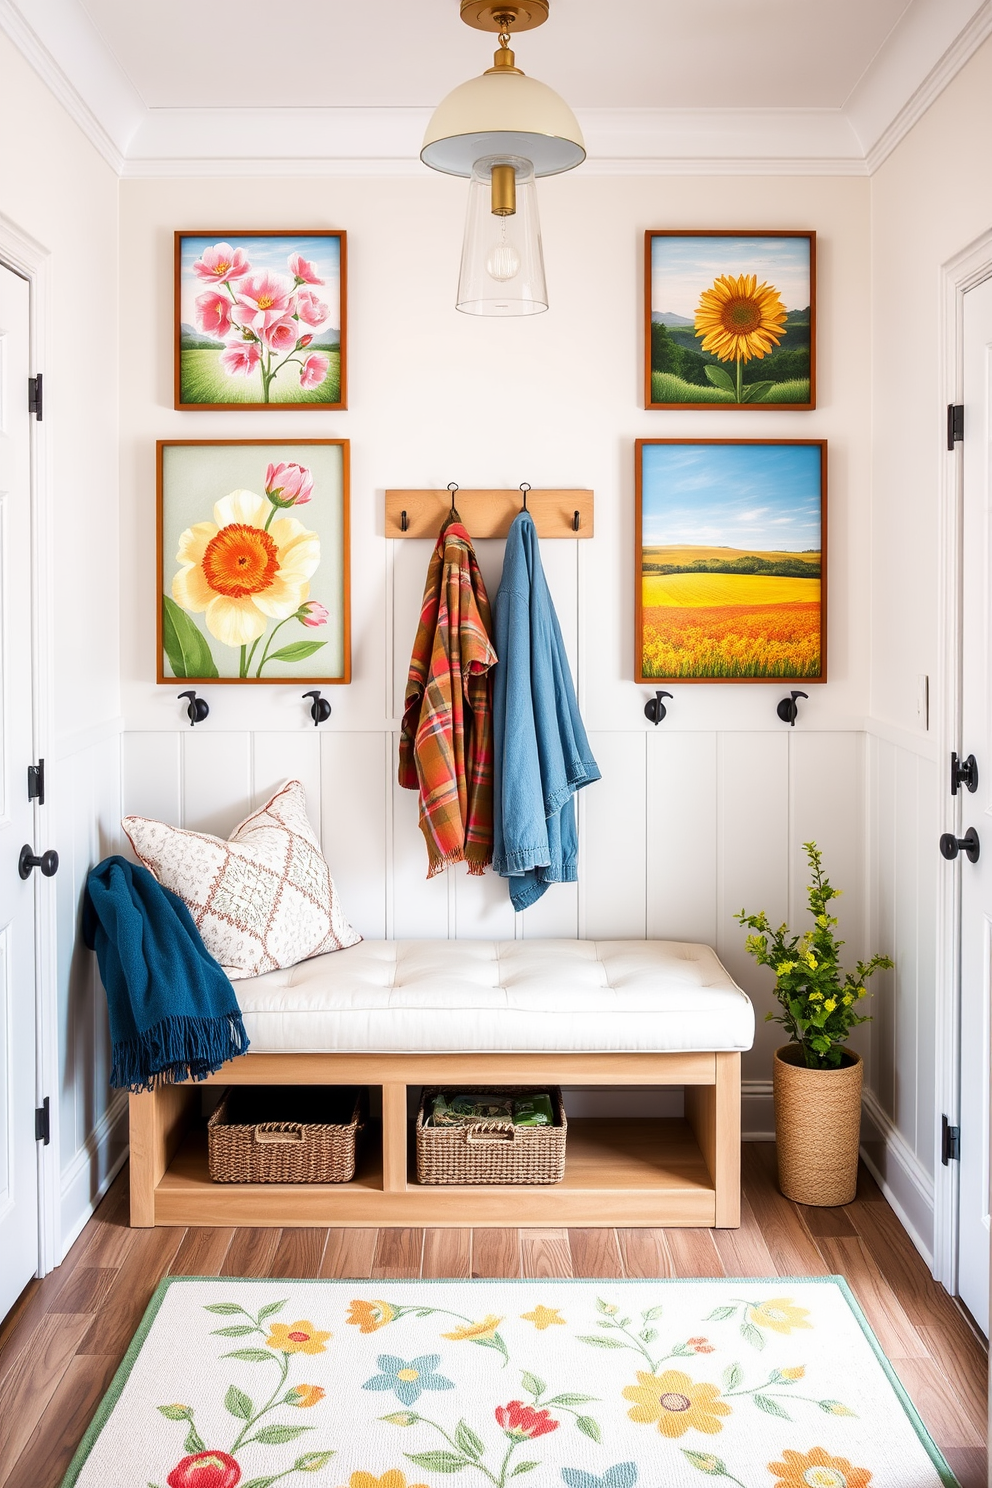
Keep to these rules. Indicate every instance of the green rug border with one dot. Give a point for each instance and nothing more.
(113, 1392)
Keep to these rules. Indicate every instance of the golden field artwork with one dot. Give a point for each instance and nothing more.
(730, 611)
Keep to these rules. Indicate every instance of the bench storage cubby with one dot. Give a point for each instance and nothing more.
(395, 1015)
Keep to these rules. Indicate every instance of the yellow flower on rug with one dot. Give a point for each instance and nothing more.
(368, 1316)
(394, 1478)
(300, 1337)
(305, 1395)
(817, 1469)
(485, 1329)
(543, 1317)
(780, 1314)
(674, 1403)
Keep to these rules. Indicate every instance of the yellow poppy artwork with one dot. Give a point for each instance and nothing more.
(730, 319)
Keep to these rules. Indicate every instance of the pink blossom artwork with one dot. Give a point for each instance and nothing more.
(260, 319)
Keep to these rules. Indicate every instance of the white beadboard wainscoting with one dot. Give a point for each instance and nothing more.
(89, 1119)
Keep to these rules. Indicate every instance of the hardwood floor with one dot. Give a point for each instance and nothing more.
(61, 1345)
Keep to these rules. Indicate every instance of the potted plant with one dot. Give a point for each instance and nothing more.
(817, 1080)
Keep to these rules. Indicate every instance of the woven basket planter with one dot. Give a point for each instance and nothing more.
(269, 1134)
(817, 1128)
(491, 1151)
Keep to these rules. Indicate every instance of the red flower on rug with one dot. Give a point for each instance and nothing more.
(522, 1422)
(205, 1470)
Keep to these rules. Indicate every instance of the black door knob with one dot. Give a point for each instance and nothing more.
(48, 862)
(969, 844)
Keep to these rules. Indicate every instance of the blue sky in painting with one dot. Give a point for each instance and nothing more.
(266, 253)
(732, 495)
(681, 268)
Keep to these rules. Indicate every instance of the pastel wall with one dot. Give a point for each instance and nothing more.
(691, 820)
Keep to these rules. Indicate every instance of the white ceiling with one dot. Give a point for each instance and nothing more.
(409, 53)
(166, 87)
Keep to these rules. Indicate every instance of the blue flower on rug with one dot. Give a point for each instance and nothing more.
(621, 1475)
(408, 1379)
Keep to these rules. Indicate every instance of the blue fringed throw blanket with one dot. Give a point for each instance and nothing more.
(173, 1013)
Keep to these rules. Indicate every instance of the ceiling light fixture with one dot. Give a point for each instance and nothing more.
(502, 130)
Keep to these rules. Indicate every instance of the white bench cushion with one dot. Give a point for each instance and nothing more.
(475, 996)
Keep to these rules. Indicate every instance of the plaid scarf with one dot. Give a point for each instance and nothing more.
(446, 743)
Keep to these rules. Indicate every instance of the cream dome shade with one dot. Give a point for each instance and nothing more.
(503, 112)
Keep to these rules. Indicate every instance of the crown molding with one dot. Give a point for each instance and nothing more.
(65, 49)
(386, 142)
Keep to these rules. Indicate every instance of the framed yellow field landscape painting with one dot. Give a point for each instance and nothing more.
(730, 319)
(731, 560)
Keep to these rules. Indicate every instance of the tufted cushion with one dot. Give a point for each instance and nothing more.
(261, 900)
(436, 996)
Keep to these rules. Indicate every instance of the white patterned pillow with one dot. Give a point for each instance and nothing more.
(263, 899)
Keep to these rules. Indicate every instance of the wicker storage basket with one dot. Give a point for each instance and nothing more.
(491, 1151)
(817, 1128)
(284, 1134)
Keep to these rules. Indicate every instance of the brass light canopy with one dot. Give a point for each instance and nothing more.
(485, 16)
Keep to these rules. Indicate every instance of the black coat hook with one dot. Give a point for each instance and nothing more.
(654, 708)
(320, 708)
(196, 709)
(524, 487)
(404, 521)
(575, 521)
(788, 708)
(452, 513)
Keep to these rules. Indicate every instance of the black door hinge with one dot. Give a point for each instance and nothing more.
(950, 1142)
(35, 396)
(36, 782)
(43, 1122)
(955, 424)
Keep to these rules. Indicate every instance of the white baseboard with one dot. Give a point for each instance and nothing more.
(89, 1174)
(899, 1173)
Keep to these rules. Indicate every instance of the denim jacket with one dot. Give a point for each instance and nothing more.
(542, 755)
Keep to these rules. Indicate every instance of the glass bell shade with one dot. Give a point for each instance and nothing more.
(502, 269)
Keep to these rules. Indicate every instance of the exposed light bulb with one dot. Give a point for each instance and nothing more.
(504, 260)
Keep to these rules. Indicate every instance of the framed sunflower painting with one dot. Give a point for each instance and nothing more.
(253, 561)
(731, 560)
(260, 319)
(730, 319)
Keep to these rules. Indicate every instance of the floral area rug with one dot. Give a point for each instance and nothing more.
(604, 1384)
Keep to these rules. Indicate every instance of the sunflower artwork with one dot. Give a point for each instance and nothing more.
(253, 558)
(731, 320)
(730, 579)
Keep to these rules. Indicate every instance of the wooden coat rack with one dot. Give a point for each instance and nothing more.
(489, 513)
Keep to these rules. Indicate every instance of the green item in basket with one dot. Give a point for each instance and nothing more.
(476, 1105)
(534, 1110)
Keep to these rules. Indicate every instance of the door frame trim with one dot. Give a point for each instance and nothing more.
(967, 269)
(32, 261)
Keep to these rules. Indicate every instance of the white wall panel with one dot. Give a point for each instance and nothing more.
(217, 780)
(152, 776)
(681, 836)
(753, 835)
(611, 848)
(419, 905)
(354, 824)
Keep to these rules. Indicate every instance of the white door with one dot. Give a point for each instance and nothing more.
(18, 1149)
(976, 739)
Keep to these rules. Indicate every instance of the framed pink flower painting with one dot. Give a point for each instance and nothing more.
(261, 319)
(253, 561)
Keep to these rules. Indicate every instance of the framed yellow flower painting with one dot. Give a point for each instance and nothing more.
(253, 561)
(730, 319)
(260, 319)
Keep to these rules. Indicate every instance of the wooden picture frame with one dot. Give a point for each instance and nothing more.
(730, 526)
(253, 535)
(261, 319)
(723, 307)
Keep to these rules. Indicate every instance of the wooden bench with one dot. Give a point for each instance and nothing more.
(396, 1015)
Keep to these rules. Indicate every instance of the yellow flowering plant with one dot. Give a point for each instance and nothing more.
(819, 1001)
